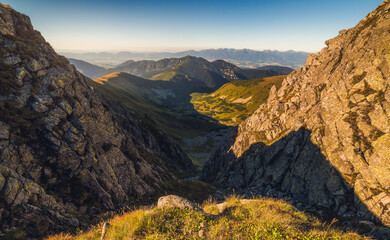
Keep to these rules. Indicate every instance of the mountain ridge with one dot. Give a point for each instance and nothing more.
(321, 138)
(241, 57)
(89, 70)
(194, 70)
(68, 154)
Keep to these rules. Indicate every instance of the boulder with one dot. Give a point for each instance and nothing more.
(173, 201)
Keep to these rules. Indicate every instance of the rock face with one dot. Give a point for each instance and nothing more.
(65, 153)
(323, 138)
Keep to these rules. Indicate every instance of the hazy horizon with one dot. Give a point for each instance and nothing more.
(178, 51)
(175, 26)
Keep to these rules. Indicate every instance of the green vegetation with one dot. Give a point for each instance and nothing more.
(165, 76)
(134, 94)
(234, 102)
(260, 218)
(120, 87)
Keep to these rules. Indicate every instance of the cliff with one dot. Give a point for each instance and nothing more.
(323, 138)
(67, 154)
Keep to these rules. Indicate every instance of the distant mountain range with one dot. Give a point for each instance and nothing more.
(194, 74)
(240, 57)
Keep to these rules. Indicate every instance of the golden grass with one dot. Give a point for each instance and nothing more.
(260, 218)
(107, 77)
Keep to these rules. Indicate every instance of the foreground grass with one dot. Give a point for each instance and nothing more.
(235, 101)
(260, 218)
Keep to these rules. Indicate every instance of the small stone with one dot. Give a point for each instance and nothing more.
(201, 233)
(41, 73)
(4, 131)
(385, 200)
(20, 73)
(366, 226)
(2, 181)
(12, 60)
(39, 105)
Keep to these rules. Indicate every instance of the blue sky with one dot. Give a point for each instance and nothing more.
(173, 25)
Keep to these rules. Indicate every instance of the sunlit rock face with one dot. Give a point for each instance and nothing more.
(323, 138)
(66, 154)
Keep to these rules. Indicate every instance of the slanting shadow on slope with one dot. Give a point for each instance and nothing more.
(292, 168)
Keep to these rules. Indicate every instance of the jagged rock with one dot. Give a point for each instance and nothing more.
(323, 137)
(12, 60)
(4, 131)
(177, 202)
(67, 154)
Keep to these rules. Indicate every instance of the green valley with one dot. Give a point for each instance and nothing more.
(166, 105)
(235, 101)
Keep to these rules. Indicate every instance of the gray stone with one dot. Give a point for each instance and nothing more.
(12, 60)
(173, 201)
(4, 131)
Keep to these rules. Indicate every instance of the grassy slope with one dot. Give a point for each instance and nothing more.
(119, 89)
(165, 76)
(261, 218)
(234, 102)
(180, 124)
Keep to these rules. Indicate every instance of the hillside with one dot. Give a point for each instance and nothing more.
(236, 218)
(276, 68)
(240, 57)
(197, 71)
(66, 153)
(86, 68)
(323, 137)
(167, 104)
(235, 101)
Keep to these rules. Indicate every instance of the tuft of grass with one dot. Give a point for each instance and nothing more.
(235, 101)
(236, 218)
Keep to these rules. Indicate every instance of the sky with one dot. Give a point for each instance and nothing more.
(176, 25)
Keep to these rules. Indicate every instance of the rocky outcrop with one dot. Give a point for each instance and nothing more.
(323, 138)
(65, 153)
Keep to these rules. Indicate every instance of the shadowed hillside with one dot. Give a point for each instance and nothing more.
(167, 104)
(66, 153)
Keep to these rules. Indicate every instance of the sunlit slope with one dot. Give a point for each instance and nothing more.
(148, 98)
(167, 105)
(234, 102)
(236, 218)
